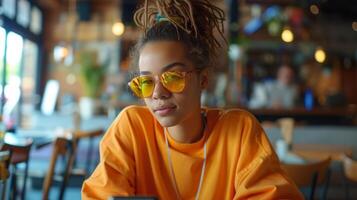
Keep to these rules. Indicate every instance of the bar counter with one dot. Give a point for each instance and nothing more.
(315, 116)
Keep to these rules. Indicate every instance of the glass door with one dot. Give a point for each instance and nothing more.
(21, 37)
(12, 70)
(28, 80)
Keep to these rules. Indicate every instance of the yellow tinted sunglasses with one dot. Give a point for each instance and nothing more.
(174, 81)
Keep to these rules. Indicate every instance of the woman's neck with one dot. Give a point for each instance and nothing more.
(189, 131)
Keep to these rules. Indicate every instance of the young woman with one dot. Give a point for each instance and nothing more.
(172, 148)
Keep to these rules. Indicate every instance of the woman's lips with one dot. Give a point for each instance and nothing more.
(165, 110)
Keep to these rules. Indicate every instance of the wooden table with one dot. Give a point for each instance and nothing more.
(321, 151)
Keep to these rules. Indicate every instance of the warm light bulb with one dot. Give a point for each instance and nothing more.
(287, 35)
(118, 28)
(64, 52)
(320, 55)
(314, 9)
(71, 79)
(354, 26)
(60, 53)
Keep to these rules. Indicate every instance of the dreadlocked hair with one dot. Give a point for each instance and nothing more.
(192, 22)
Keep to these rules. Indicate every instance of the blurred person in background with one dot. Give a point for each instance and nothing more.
(279, 93)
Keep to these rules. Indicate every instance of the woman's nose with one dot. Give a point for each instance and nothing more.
(160, 92)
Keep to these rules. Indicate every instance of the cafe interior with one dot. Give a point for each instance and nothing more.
(65, 65)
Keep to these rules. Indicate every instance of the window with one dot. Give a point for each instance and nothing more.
(36, 20)
(20, 43)
(29, 76)
(12, 90)
(23, 13)
(2, 53)
(9, 8)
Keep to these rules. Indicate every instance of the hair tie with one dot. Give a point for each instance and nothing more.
(160, 18)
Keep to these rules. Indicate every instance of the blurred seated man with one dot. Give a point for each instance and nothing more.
(280, 93)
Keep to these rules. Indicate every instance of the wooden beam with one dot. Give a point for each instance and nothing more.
(271, 2)
(50, 4)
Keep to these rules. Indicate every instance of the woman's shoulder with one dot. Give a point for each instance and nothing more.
(133, 120)
(234, 114)
(235, 117)
(134, 112)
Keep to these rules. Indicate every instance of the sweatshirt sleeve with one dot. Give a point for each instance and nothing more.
(115, 173)
(258, 173)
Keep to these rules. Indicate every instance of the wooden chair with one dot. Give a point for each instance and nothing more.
(350, 171)
(310, 175)
(91, 135)
(5, 157)
(61, 147)
(20, 153)
(67, 148)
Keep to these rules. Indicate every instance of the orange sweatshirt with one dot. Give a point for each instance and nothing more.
(241, 163)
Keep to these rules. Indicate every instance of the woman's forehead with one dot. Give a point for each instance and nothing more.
(160, 55)
(175, 66)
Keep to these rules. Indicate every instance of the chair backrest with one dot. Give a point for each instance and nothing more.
(78, 135)
(20, 153)
(309, 174)
(87, 134)
(350, 168)
(60, 147)
(68, 148)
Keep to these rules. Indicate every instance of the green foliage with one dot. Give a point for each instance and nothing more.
(92, 73)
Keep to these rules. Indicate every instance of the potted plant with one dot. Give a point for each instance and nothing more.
(92, 75)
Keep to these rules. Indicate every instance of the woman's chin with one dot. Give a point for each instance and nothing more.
(167, 121)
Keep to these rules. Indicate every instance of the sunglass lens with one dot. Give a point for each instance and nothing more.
(173, 81)
(146, 85)
(142, 86)
(135, 87)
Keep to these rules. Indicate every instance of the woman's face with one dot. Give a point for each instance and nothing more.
(169, 108)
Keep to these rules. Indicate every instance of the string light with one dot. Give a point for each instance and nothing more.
(354, 26)
(287, 35)
(71, 79)
(314, 9)
(60, 53)
(320, 55)
(118, 28)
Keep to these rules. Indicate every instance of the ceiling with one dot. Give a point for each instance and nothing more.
(343, 9)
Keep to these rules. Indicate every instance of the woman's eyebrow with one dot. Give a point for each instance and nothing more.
(169, 66)
(165, 68)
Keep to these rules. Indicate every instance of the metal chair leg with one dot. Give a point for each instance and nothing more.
(313, 186)
(68, 168)
(345, 183)
(327, 184)
(13, 183)
(3, 190)
(23, 192)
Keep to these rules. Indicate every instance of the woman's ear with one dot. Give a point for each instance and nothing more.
(204, 79)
